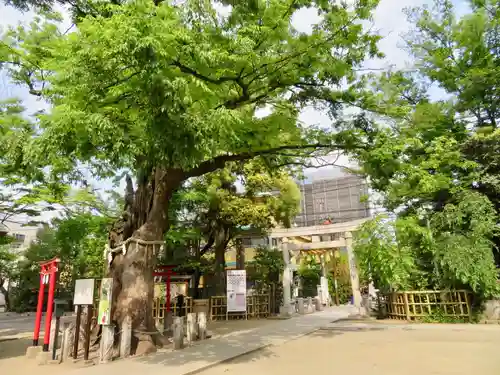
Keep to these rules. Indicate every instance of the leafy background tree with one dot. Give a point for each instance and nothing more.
(434, 161)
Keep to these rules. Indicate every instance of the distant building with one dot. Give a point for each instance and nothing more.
(333, 200)
(23, 235)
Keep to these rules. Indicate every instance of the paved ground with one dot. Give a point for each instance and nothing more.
(16, 325)
(288, 347)
(230, 339)
(378, 349)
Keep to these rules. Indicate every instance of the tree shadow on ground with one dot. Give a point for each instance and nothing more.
(14, 347)
(249, 345)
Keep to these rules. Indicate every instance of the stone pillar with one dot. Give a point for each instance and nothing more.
(318, 304)
(65, 342)
(310, 308)
(167, 323)
(300, 306)
(53, 335)
(202, 326)
(191, 327)
(178, 332)
(126, 338)
(286, 308)
(107, 338)
(353, 271)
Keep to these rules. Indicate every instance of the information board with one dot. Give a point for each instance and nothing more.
(104, 317)
(236, 291)
(84, 292)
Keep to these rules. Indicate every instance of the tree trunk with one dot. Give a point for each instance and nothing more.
(5, 293)
(145, 220)
(240, 254)
(222, 238)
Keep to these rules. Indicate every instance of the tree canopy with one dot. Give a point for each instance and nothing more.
(435, 164)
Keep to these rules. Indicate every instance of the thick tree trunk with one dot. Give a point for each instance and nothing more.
(145, 220)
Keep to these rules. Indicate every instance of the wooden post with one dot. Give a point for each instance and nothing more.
(469, 307)
(86, 345)
(407, 305)
(77, 331)
(178, 333)
(191, 327)
(202, 325)
(126, 337)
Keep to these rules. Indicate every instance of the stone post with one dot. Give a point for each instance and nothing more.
(310, 308)
(178, 333)
(66, 342)
(202, 325)
(286, 307)
(168, 320)
(126, 337)
(107, 338)
(53, 335)
(353, 271)
(191, 327)
(318, 304)
(300, 306)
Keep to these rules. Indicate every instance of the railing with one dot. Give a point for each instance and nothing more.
(416, 305)
(257, 308)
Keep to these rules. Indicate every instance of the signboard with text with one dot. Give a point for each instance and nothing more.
(236, 291)
(84, 292)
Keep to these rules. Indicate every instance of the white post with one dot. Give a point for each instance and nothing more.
(202, 325)
(300, 306)
(107, 338)
(66, 343)
(126, 337)
(286, 308)
(353, 271)
(191, 327)
(178, 332)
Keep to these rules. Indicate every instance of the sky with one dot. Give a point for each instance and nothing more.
(389, 21)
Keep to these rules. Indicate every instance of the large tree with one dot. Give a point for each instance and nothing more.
(169, 92)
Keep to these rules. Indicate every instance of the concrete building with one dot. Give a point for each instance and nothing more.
(339, 199)
(23, 237)
(23, 234)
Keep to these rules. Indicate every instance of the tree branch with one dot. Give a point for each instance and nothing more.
(220, 161)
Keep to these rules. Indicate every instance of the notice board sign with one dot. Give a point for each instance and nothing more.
(104, 317)
(236, 291)
(84, 292)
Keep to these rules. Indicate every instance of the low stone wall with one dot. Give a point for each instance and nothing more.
(491, 313)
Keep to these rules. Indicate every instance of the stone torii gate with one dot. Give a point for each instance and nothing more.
(342, 232)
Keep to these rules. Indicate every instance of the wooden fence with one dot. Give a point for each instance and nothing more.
(257, 308)
(159, 307)
(415, 305)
